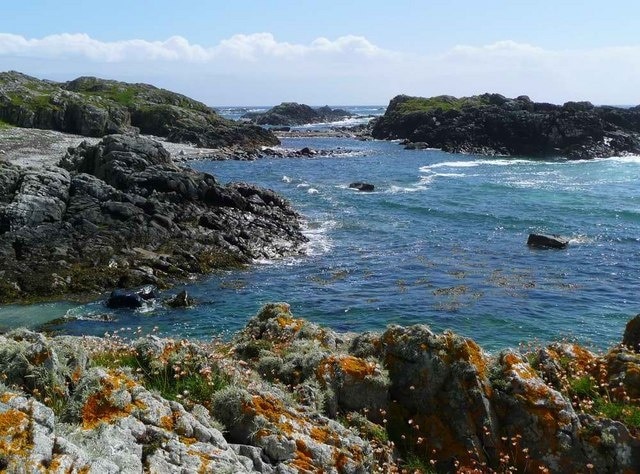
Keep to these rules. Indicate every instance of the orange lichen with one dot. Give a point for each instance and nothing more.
(319, 434)
(15, 437)
(98, 407)
(303, 460)
(75, 376)
(7, 397)
(167, 422)
(349, 365)
(273, 410)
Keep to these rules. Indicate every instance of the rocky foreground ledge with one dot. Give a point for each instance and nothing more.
(287, 396)
(491, 124)
(120, 213)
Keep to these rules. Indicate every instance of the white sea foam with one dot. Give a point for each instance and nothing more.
(286, 179)
(303, 185)
(312, 191)
(474, 163)
(319, 241)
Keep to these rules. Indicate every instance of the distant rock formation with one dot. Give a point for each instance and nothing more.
(96, 107)
(120, 213)
(491, 124)
(292, 113)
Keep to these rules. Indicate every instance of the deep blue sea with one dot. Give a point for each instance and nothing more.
(442, 241)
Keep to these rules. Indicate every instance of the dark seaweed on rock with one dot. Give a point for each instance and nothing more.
(120, 213)
(491, 124)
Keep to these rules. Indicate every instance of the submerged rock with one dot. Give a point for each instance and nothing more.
(547, 241)
(181, 300)
(360, 186)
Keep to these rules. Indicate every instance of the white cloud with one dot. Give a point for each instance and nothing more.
(258, 68)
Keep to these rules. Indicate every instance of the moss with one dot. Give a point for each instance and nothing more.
(443, 103)
(4, 125)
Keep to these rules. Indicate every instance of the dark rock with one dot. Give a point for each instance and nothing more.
(492, 124)
(416, 146)
(306, 151)
(125, 215)
(362, 186)
(547, 241)
(96, 107)
(292, 113)
(631, 337)
(181, 300)
(125, 299)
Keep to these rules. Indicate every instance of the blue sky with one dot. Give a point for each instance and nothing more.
(250, 52)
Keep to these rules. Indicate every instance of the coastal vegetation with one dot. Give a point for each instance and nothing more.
(286, 395)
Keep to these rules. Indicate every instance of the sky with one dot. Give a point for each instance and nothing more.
(243, 52)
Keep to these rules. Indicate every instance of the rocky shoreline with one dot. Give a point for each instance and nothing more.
(288, 396)
(120, 213)
(491, 124)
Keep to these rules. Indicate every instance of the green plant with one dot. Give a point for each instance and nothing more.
(584, 386)
(415, 464)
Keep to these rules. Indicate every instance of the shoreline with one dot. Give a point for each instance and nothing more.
(285, 395)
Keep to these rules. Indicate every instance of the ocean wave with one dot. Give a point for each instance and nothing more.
(319, 241)
(474, 163)
(405, 189)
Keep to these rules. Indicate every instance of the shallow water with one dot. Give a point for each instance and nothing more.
(442, 241)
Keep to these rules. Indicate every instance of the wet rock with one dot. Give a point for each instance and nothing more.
(360, 186)
(181, 300)
(122, 200)
(631, 337)
(547, 241)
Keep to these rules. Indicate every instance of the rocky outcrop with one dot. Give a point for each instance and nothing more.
(547, 241)
(120, 213)
(292, 113)
(491, 124)
(360, 186)
(96, 107)
(289, 396)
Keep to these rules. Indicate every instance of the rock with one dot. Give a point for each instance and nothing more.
(292, 113)
(122, 200)
(491, 124)
(631, 338)
(360, 186)
(181, 300)
(306, 151)
(97, 107)
(130, 299)
(547, 241)
(416, 146)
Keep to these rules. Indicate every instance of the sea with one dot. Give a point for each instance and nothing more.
(441, 242)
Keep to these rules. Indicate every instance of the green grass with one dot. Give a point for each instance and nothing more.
(443, 102)
(584, 387)
(189, 385)
(629, 415)
(4, 125)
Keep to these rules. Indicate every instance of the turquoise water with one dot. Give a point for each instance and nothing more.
(442, 242)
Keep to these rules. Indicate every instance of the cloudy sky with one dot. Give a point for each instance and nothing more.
(244, 52)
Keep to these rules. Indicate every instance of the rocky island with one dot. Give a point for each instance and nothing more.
(288, 396)
(491, 124)
(292, 113)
